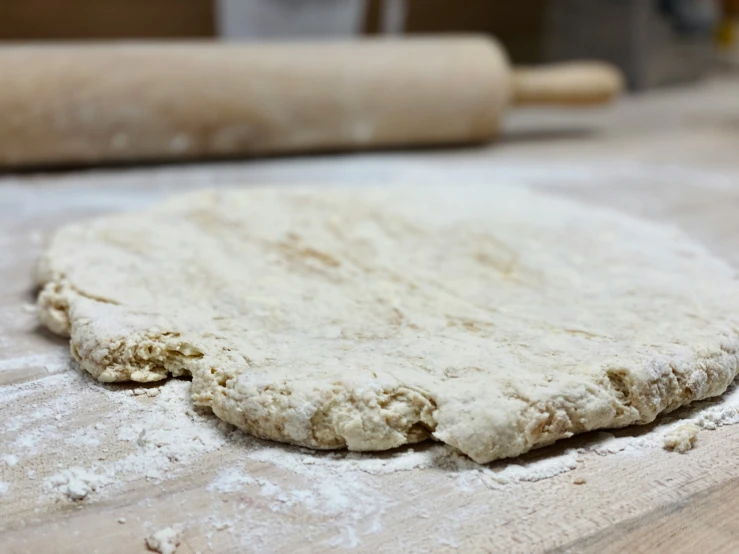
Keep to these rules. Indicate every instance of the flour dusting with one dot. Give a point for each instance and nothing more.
(157, 436)
(10, 460)
(75, 483)
(230, 480)
(165, 541)
(538, 470)
(167, 435)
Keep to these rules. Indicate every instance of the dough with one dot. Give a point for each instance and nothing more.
(491, 318)
(681, 438)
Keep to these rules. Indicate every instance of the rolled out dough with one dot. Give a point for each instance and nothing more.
(491, 318)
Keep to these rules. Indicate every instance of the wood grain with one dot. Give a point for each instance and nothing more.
(704, 521)
(668, 157)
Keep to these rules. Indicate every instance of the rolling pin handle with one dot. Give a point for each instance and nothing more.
(568, 84)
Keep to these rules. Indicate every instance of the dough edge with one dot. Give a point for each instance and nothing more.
(381, 414)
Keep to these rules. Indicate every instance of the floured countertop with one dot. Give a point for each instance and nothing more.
(79, 473)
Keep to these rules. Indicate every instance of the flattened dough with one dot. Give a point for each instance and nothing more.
(491, 318)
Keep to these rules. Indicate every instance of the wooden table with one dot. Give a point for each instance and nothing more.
(670, 156)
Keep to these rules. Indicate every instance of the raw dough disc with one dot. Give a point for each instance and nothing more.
(490, 318)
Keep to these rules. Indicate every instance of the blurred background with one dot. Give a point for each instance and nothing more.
(654, 42)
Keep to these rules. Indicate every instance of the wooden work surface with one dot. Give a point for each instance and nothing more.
(669, 156)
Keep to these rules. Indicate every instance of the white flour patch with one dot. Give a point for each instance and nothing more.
(628, 445)
(165, 541)
(342, 486)
(327, 488)
(10, 460)
(31, 429)
(230, 480)
(31, 442)
(153, 436)
(711, 414)
(166, 434)
(4, 487)
(533, 471)
(303, 462)
(75, 483)
(404, 461)
(86, 438)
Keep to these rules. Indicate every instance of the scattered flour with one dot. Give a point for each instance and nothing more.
(11, 460)
(4, 487)
(167, 435)
(165, 541)
(681, 438)
(714, 413)
(532, 471)
(306, 463)
(230, 480)
(718, 416)
(328, 486)
(158, 436)
(608, 444)
(75, 483)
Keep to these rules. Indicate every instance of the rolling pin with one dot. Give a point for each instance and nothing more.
(123, 102)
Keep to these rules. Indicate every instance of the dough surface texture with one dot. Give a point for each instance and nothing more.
(491, 318)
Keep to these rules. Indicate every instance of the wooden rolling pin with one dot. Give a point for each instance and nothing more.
(79, 104)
